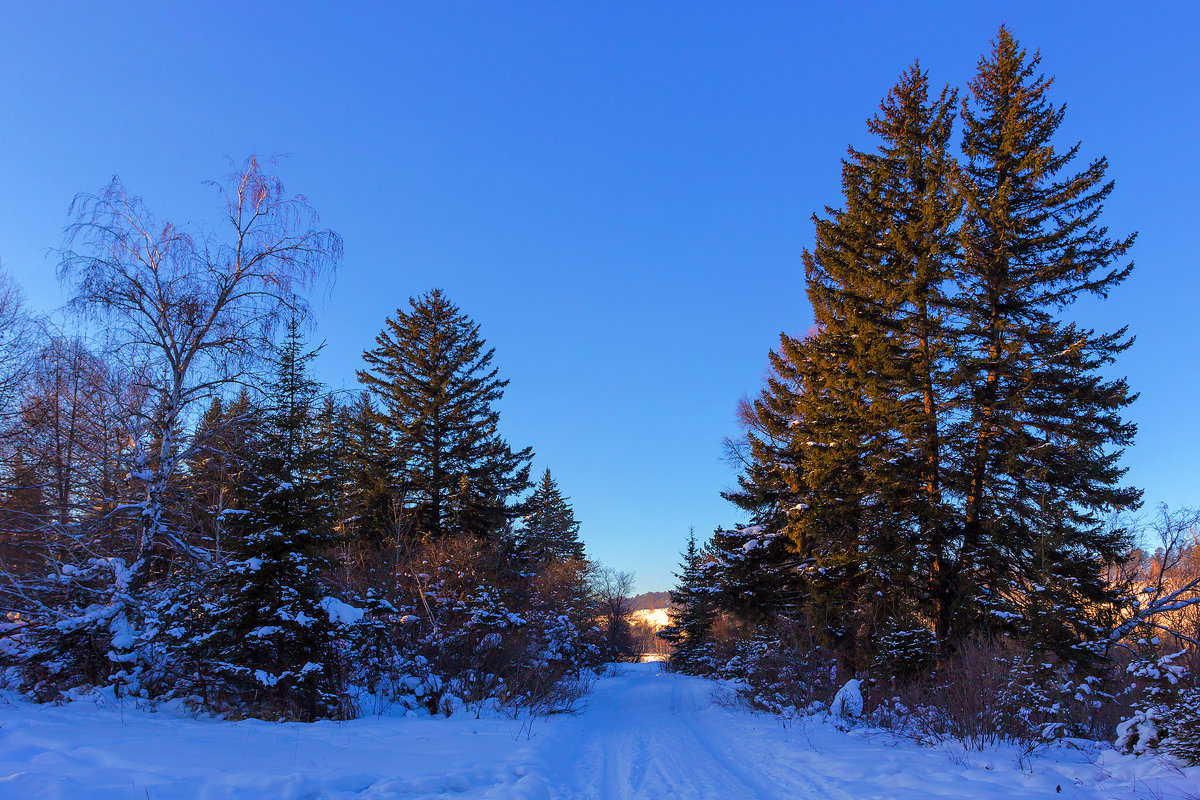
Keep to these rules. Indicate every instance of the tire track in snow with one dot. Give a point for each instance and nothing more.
(650, 734)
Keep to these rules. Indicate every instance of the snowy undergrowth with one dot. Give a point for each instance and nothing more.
(641, 733)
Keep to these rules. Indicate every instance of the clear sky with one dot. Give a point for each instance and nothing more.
(618, 192)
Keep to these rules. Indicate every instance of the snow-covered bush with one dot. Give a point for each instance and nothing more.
(992, 691)
(847, 705)
(1149, 725)
(1183, 721)
(780, 670)
(467, 626)
(904, 652)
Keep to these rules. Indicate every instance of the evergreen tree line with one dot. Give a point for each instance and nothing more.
(280, 551)
(936, 463)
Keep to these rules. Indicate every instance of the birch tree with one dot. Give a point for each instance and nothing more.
(17, 335)
(192, 308)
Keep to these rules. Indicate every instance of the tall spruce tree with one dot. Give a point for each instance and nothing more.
(270, 642)
(437, 389)
(550, 533)
(1040, 448)
(771, 484)
(869, 385)
(942, 449)
(803, 557)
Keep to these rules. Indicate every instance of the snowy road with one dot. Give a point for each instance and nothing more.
(642, 733)
(650, 734)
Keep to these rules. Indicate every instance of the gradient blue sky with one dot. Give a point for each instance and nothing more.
(618, 193)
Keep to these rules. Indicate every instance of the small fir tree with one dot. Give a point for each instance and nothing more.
(754, 574)
(1184, 739)
(691, 615)
(270, 642)
(550, 533)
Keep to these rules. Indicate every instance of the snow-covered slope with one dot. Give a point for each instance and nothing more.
(643, 733)
(657, 617)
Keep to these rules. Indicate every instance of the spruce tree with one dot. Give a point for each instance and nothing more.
(691, 615)
(550, 533)
(437, 391)
(1040, 449)
(875, 279)
(270, 643)
(221, 450)
(941, 449)
(771, 484)
(853, 408)
(373, 519)
(331, 438)
(754, 574)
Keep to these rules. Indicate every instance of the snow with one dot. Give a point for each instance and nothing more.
(641, 733)
(847, 704)
(122, 632)
(341, 613)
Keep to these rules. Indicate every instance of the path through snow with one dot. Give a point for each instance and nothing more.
(642, 733)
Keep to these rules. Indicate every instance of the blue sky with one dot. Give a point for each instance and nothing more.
(618, 193)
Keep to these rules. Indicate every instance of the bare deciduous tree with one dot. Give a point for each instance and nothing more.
(192, 310)
(63, 450)
(612, 590)
(20, 492)
(1167, 582)
(60, 408)
(17, 335)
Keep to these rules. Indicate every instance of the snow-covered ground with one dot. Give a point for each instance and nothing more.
(642, 733)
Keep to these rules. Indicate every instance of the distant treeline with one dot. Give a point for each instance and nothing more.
(649, 600)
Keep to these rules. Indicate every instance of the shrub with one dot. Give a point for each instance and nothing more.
(904, 653)
(1183, 720)
(780, 669)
